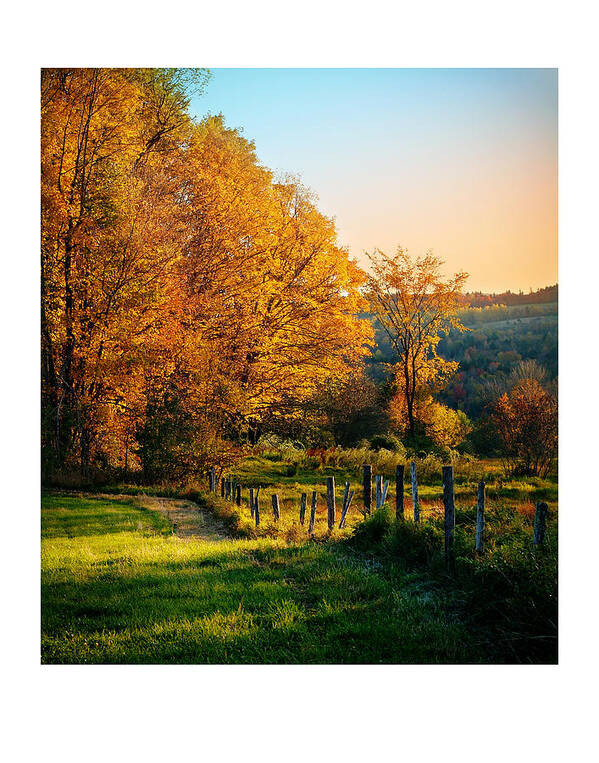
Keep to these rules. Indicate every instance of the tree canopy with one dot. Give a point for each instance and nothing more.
(416, 307)
(187, 293)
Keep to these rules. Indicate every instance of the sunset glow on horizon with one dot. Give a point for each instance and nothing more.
(460, 161)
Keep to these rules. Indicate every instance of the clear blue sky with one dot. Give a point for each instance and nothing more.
(463, 161)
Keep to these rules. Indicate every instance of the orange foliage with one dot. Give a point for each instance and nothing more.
(526, 419)
(416, 306)
(185, 292)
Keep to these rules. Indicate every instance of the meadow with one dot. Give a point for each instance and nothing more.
(123, 583)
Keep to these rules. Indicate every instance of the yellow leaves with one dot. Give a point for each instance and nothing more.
(444, 426)
(415, 306)
(173, 265)
(270, 285)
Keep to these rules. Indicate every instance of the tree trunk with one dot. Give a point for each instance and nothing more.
(409, 399)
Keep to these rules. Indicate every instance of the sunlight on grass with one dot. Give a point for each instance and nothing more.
(115, 590)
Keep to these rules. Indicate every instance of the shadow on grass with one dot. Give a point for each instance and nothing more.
(276, 605)
(140, 599)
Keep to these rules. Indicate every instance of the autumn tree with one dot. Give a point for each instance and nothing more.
(527, 423)
(268, 284)
(444, 426)
(415, 306)
(188, 295)
(109, 142)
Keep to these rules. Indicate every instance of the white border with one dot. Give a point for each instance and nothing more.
(260, 713)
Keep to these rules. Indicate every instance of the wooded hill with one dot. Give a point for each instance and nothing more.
(540, 296)
(499, 337)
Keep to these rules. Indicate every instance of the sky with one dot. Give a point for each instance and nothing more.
(459, 161)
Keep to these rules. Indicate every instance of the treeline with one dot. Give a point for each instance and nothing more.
(540, 296)
(473, 317)
(189, 297)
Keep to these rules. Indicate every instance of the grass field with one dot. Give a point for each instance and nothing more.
(118, 587)
(126, 580)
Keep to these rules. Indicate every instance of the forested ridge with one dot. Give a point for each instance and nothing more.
(499, 337)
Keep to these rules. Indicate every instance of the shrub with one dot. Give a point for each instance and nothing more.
(429, 468)
(387, 442)
(369, 533)
(513, 591)
(403, 542)
(413, 544)
(277, 449)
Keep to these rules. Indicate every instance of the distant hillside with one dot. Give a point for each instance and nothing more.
(478, 299)
(498, 338)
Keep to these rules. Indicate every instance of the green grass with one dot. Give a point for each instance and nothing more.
(118, 587)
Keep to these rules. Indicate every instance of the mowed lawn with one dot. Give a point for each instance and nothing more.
(119, 587)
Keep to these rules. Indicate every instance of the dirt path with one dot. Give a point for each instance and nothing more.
(187, 519)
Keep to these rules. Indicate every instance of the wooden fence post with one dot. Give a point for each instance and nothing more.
(312, 512)
(238, 495)
(449, 504)
(415, 503)
(345, 494)
(257, 510)
(331, 501)
(384, 489)
(399, 477)
(378, 482)
(367, 483)
(480, 519)
(276, 509)
(251, 501)
(346, 504)
(303, 508)
(540, 524)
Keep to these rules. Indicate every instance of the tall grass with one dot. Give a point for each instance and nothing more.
(508, 593)
(383, 460)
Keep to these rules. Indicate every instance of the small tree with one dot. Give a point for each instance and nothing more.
(445, 426)
(526, 420)
(415, 306)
